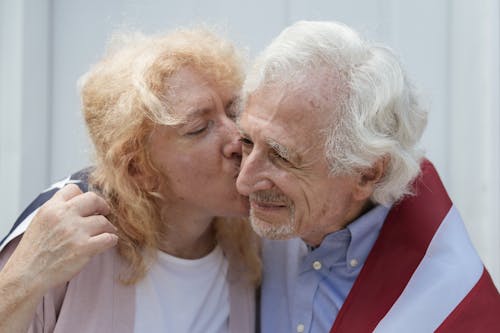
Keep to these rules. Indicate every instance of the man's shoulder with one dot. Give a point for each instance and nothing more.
(79, 178)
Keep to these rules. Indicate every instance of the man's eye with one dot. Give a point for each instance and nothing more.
(246, 142)
(278, 156)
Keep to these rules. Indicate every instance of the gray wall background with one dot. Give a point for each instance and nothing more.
(450, 49)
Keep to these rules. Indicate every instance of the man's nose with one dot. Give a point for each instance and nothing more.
(253, 175)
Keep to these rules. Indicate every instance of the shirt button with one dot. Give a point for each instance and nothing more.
(300, 328)
(353, 262)
(317, 265)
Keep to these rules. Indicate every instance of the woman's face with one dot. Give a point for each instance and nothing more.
(200, 160)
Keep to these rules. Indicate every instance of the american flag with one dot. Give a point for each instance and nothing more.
(423, 274)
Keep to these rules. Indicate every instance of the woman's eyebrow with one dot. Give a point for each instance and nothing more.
(194, 112)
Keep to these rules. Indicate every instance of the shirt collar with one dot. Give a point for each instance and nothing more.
(350, 245)
(364, 232)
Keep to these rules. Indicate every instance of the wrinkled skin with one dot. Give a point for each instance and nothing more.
(284, 169)
(64, 235)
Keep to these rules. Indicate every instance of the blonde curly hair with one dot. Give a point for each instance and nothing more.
(123, 97)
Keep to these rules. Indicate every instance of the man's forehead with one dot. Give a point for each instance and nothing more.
(279, 117)
(278, 102)
(262, 109)
(294, 108)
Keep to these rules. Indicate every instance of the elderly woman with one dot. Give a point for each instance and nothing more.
(159, 111)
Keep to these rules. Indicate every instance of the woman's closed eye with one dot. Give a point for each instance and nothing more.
(199, 129)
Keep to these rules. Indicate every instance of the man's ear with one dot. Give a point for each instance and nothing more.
(370, 177)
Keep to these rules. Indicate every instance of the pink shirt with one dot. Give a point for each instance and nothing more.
(94, 300)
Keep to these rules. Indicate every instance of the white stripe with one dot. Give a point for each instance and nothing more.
(21, 228)
(62, 183)
(446, 274)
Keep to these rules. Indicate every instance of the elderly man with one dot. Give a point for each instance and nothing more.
(364, 236)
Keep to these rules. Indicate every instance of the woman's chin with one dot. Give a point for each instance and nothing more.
(240, 209)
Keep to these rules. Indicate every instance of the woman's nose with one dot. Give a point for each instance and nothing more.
(232, 146)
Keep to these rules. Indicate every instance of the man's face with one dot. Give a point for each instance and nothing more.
(284, 170)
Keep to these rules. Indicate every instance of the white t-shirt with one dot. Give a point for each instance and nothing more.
(181, 295)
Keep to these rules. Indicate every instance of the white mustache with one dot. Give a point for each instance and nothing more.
(269, 197)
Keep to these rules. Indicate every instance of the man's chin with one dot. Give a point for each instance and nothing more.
(271, 231)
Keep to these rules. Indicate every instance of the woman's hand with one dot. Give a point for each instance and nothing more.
(67, 231)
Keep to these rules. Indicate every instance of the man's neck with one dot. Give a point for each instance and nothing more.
(357, 210)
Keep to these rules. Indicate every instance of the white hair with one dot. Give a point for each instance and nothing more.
(375, 111)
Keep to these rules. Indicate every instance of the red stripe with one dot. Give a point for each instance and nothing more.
(478, 312)
(400, 247)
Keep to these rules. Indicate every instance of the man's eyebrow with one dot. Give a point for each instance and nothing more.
(283, 151)
(279, 148)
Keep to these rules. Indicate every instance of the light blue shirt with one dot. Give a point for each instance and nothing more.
(303, 289)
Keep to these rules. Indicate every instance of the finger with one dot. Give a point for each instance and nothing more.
(88, 204)
(98, 224)
(101, 242)
(67, 192)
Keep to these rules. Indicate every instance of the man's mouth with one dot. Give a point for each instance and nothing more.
(265, 205)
